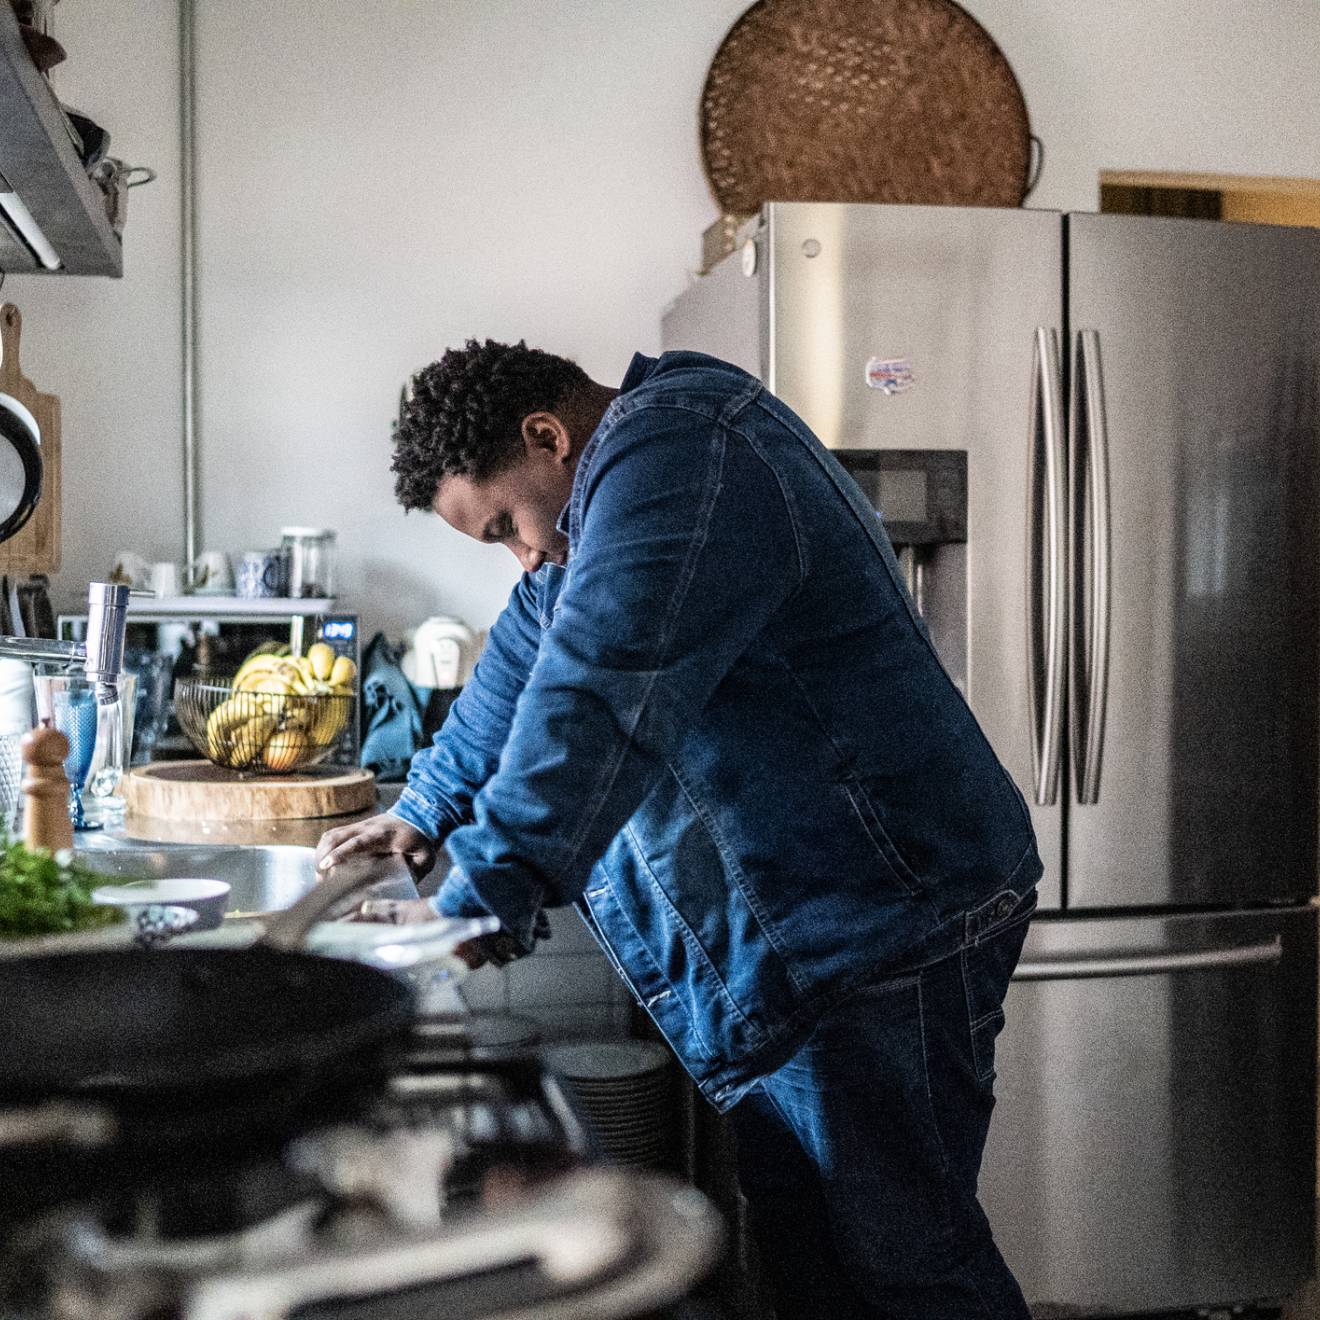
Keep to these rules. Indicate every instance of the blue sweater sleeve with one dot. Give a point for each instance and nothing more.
(445, 777)
(686, 550)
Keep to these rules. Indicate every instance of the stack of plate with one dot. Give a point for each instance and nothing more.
(624, 1090)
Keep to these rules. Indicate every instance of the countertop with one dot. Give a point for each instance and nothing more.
(438, 995)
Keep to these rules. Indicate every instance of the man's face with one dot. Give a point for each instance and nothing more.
(519, 506)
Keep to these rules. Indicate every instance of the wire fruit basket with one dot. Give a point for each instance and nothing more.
(269, 733)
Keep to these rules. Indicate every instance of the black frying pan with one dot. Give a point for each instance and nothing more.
(20, 466)
(193, 1022)
(187, 1058)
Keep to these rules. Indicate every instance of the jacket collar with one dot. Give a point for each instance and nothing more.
(639, 369)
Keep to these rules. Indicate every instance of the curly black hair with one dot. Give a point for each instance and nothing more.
(462, 415)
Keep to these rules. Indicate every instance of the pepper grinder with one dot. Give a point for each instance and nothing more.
(46, 822)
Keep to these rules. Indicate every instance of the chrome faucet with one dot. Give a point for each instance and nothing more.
(101, 656)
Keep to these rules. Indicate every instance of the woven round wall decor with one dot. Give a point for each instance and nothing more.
(862, 101)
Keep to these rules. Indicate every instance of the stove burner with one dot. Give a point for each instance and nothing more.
(458, 1124)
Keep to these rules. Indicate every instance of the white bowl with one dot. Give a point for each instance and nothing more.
(208, 898)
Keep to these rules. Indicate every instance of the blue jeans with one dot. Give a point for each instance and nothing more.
(859, 1157)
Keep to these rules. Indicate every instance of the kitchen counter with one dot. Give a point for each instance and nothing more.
(268, 864)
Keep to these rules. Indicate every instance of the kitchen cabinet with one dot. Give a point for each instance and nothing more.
(39, 164)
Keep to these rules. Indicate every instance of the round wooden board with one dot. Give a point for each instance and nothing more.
(198, 790)
(862, 101)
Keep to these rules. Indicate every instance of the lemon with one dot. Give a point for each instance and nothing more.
(286, 749)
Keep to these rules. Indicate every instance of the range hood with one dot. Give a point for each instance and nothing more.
(52, 216)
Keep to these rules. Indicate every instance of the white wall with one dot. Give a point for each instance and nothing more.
(110, 348)
(379, 181)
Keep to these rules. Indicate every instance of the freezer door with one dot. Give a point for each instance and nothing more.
(909, 327)
(1153, 1145)
(723, 312)
(1195, 429)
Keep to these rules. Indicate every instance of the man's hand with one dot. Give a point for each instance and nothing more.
(498, 948)
(379, 836)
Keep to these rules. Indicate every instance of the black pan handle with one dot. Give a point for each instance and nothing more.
(57, 1122)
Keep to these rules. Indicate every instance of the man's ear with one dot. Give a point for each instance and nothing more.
(546, 436)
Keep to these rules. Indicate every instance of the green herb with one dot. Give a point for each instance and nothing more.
(41, 894)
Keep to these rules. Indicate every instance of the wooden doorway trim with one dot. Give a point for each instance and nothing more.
(1259, 199)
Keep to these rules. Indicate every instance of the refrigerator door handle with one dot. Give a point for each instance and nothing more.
(1153, 964)
(1046, 566)
(1090, 520)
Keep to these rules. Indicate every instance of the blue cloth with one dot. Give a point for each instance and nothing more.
(859, 1156)
(723, 733)
(391, 712)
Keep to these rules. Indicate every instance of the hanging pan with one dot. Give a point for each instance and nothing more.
(20, 443)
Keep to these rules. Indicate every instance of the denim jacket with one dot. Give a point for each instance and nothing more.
(723, 734)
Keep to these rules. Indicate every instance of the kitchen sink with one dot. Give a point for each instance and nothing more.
(262, 878)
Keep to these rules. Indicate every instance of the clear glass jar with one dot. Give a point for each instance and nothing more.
(309, 561)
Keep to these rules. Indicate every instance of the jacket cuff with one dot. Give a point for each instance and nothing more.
(416, 811)
(457, 898)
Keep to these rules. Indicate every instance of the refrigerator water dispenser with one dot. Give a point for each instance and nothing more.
(921, 497)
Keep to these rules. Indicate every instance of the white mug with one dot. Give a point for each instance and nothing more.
(164, 578)
(131, 569)
(213, 572)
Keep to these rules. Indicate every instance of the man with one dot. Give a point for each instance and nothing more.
(711, 719)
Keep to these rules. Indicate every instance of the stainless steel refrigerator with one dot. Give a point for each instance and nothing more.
(1095, 441)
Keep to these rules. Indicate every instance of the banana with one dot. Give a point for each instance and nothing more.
(225, 716)
(269, 648)
(257, 664)
(343, 672)
(251, 681)
(322, 660)
(299, 675)
(225, 719)
(275, 685)
(249, 740)
(282, 708)
(301, 714)
(331, 717)
(257, 668)
(238, 730)
(217, 744)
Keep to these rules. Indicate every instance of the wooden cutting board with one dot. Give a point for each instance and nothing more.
(198, 790)
(36, 549)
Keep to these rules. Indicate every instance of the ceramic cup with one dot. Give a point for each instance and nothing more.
(132, 570)
(212, 574)
(165, 579)
(260, 574)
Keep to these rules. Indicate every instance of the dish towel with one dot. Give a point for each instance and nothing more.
(392, 711)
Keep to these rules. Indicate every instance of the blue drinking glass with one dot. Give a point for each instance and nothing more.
(75, 718)
(67, 702)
